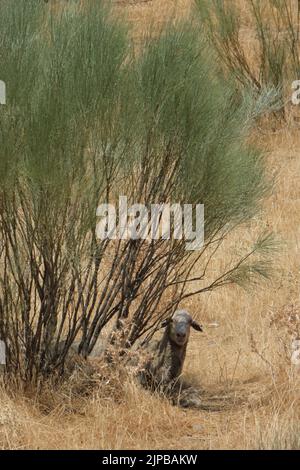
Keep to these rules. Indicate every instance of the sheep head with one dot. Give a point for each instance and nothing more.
(179, 327)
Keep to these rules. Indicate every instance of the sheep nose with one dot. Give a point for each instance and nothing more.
(181, 335)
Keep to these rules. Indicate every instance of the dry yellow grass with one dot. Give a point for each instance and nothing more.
(243, 359)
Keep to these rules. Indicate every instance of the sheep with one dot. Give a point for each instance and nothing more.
(164, 367)
(164, 359)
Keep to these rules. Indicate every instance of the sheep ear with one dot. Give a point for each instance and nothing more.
(166, 322)
(196, 326)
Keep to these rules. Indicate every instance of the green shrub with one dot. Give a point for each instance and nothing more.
(86, 121)
(277, 27)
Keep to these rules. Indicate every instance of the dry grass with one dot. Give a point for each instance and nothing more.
(243, 362)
